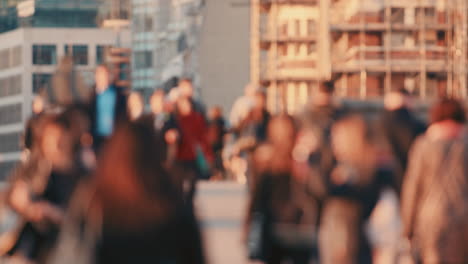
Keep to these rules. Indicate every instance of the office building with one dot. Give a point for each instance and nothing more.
(368, 47)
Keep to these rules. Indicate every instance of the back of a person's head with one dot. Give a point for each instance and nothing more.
(327, 87)
(324, 94)
(448, 110)
(282, 129)
(130, 176)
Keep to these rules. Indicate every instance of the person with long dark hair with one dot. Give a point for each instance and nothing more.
(131, 212)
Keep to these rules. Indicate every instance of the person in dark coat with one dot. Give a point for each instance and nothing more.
(216, 134)
(400, 128)
(41, 195)
(194, 154)
(361, 172)
(435, 188)
(130, 211)
(289, 211)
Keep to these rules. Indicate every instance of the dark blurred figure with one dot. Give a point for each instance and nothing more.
(361, 172)
(256, 123)
(130, 212)
(187, 91)
(435, 189)
(216, 134)
(316, 122)
(322, 111)
(194, 154)
(283, 215)
(163, 121)
(42, 196)
(400, 127)
(108, 107)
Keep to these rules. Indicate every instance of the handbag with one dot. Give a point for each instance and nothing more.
(256, 237)
(202, 162)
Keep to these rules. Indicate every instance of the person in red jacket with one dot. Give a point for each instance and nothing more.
(194, 154)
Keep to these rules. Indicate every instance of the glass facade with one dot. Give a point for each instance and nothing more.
(5, 168)
(143, 59)
(10, 86)
(44, 54)
(10, 114)
(100, 54)
(10, 142)
(39, 81)
(79, 54)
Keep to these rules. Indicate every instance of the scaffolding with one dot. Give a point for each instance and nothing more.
(369, 47)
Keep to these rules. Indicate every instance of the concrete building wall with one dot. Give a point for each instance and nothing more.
(26, 38)
(224, 52)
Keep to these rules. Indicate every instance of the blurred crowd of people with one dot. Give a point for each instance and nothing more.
(340, 185)
(104, 181)
(109, 181)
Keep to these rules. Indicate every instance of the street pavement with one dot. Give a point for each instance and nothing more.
(221, 208)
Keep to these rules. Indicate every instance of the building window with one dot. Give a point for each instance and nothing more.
(148, 23)
(283, 50)
(16, 56)
(10, 114)
(100, 54)
(297, 24)
(143, 59)
(143, 23)
(39, 81)
(6, 168)
(283, 30)
(79, 53)
(311, 27)
(10, 142)
(4, 62)
(44, 54)
(311, 48)
(298, 49)
(10, 86)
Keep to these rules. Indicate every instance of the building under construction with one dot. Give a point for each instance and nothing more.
(368, 47)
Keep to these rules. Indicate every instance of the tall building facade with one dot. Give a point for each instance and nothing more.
(165, 33)
(224, 52)
(368, 47)
(30, 51)
(29, 59)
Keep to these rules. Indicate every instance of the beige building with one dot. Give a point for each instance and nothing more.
(369, 47)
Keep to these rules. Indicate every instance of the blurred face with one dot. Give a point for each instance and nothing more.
(214, 113)
(57, 146)
(394, 101)
(184, 106)
(348, 139)
(281, 132)
(260, 101)
(186, 89)
(157, 103)
(135, 106)
(38, 105)
(102, 77)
